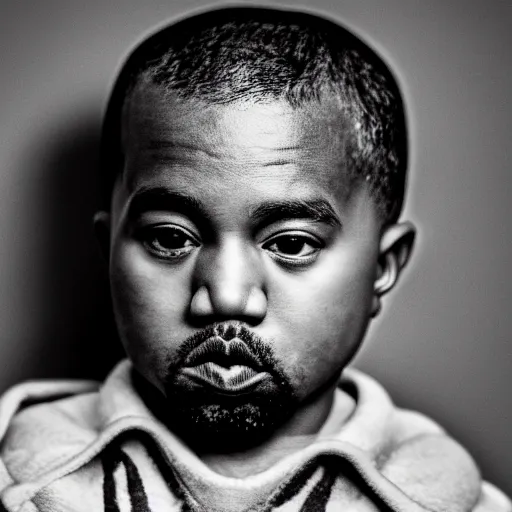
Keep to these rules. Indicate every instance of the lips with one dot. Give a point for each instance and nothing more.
(227, 366)
(224, 353)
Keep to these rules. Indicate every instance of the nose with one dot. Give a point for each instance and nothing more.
(229, 284)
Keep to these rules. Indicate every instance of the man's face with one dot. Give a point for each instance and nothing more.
(242, 256)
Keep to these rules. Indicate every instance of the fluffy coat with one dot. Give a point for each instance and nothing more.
(81, 447)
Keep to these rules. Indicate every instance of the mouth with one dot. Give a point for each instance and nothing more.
(227, 366)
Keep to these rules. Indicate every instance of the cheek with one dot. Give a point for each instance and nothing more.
(323, 315)
(150, 304)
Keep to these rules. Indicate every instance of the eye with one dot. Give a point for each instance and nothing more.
(294, 248)
(168, 241)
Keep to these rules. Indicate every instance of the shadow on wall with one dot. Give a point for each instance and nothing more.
(76, 336)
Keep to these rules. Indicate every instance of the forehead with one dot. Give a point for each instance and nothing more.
(167, 138)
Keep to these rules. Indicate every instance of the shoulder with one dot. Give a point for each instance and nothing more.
(42, 422)
(420, 458)
(54, 439)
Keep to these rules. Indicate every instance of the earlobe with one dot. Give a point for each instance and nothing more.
(396, 246)
(101, 222)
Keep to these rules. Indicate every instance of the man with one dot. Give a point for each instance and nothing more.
(255, 164)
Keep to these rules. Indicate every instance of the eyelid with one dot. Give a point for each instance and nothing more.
(303, 226)
(300, 233)
(144, 232)
(200, 225)
(144, 227)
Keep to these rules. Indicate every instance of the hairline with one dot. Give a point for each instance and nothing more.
(353, 179)
(137, 67)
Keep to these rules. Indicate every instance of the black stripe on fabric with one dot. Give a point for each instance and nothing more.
(110, 460)
(293, 486)
(336, 467)
(136, 491)
(162, 463)
(321, 492)
(164, 466)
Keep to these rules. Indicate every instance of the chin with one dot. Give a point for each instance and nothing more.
(215, 422)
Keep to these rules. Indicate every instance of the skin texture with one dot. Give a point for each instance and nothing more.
(306, 285)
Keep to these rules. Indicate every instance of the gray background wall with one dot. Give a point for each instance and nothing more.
(442, 344)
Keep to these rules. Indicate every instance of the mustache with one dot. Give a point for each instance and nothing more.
(225, 342)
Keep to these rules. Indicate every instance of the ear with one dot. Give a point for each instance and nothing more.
(396, 246)
(101, 222)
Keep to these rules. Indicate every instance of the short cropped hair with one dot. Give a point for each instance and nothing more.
(232, 54)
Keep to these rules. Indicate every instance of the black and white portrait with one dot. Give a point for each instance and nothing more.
(255, 256)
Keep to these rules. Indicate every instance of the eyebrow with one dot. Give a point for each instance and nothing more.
(160, 198)
(317, 210)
